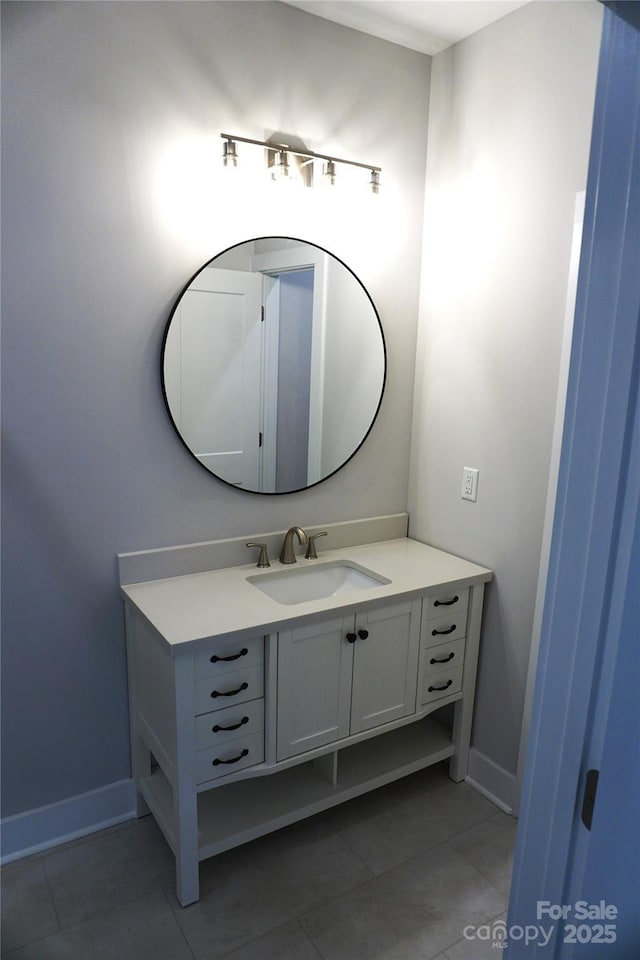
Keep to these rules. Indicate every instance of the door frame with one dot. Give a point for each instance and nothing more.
(303, 258)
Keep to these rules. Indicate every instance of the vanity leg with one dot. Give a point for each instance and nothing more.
(140, 753)
(140, 768)
(187, 865)
(459, 763)
(185, 809)
(463, 712)
(185, 795)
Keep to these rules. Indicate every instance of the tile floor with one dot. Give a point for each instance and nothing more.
(394, 875)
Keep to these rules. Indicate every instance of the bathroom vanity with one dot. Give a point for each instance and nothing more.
(254, 702)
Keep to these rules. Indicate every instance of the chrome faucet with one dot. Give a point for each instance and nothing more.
(287, 554)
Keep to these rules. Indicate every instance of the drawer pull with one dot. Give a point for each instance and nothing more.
(437, 633)
(445, 687)
(244, 753)
(446, 603)
(229, 693)
(235, 656)
(234, 726)
(442, 660)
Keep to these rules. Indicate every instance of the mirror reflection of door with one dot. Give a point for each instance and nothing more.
(213, 360)
(274, 365)
(295, 326)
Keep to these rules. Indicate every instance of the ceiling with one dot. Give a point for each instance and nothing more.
(425, 25)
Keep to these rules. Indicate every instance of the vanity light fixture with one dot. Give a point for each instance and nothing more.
(285, 161)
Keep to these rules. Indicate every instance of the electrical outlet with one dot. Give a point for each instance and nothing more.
(469, 483)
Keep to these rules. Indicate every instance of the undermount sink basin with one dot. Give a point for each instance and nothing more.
(316, 583)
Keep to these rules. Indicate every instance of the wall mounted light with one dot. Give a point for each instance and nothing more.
(285, 160)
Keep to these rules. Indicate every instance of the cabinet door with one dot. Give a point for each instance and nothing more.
(314, 685)
(385, 665)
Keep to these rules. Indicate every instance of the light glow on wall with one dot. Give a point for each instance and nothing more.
(465, 220)
(207, 205)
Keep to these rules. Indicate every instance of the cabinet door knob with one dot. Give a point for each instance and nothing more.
(351, 637)
(363, 634)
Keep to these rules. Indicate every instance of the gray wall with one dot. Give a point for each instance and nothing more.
(509, 133)
(113, 197)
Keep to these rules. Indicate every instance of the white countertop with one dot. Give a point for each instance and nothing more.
(218, 602)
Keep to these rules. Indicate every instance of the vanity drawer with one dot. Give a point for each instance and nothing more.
(450, 626)
(232, 688)
(218, 728)
(442, 684)
(445, 656)
(448, 602)
(225, 655)
(222, 760)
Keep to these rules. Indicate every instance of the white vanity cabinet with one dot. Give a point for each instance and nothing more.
(247, 714)
(342, 675)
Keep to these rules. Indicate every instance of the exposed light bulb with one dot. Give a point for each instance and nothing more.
(329, 173)
(280, 169)
(229, 154)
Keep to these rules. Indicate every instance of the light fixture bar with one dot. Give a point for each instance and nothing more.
(278, 147)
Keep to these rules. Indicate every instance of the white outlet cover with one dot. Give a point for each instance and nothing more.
(469, 484)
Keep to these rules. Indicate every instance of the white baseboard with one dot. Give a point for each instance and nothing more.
(35, 830)
(491, 780)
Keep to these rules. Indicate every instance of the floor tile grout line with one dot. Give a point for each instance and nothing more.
(260, 936)
(99, 913)
(494, 815)
(355, 853)
(165, 894)
(475, 866)
(423, 850)
(94, 916)
(477, 869)
(53, 899)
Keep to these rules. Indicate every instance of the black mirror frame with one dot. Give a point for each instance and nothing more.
(310, 486)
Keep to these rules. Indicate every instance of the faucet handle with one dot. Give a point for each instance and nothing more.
(311, 553)
(263, 559)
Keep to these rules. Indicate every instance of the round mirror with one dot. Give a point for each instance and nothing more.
(273, 365)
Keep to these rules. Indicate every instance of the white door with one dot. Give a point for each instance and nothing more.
(385, 665)
(215, 394)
